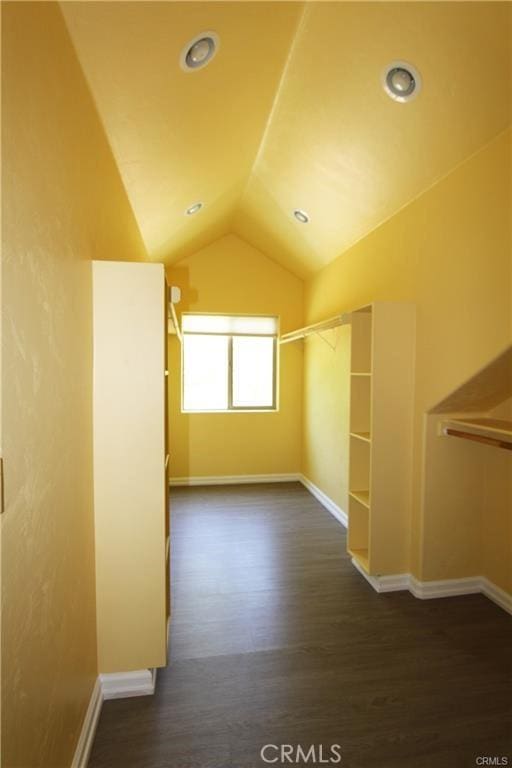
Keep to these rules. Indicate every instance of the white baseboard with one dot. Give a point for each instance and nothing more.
(428, 590)
(325, 501)
(118, 685)
(123, 685)
(234, 479)
(89, 725)
(393, 583)
(425, 590)
(496, 594)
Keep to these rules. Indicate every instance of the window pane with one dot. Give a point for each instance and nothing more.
(253, 371)
(229, 324)
(205, 373)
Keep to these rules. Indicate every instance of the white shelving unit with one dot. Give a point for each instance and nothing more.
(381, 406)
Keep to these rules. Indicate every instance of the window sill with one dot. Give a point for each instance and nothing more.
(233, 410)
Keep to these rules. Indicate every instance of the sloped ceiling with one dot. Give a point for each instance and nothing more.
(289, 114)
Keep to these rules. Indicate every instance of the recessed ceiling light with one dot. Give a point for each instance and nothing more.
(301, 216)
(194, 209)
(199, 51)
(401, 81)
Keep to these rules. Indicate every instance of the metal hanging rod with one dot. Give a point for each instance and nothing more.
(325, 325)
(494, 441)
(495, 432)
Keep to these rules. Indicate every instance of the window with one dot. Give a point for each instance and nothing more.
(229, 362)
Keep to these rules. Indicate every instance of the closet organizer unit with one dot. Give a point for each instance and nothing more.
(381, 412)
(130, 466)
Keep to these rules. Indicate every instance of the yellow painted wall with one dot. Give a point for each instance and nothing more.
(326, 412)
(232, 277)
(63, 204)
(449, 252)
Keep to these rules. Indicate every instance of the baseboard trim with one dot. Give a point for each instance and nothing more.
(496, 594)
(124, 685)
(234, 479)
(89, 725)
(425, 590)
(429, 590)
(325, 501)
(394, 583)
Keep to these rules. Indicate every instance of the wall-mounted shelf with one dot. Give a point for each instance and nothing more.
(494, 432)
(324, 325)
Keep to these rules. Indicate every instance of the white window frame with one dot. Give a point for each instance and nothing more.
(231, 407)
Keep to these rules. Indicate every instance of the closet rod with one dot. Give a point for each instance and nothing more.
(494, 441)
(325, 325)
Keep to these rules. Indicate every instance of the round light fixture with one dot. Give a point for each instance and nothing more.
(194, 209)
(199, 51)
(301, 216)
(401, 81)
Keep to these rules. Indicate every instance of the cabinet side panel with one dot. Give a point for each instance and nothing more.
(129, 457)
(391, 465)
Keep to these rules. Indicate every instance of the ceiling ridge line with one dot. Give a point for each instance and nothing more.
(298, 33)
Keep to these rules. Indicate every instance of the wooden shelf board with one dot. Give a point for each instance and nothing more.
(489, 387)
(362, 436)
(363, 497)
(360, 373)
(361, 555)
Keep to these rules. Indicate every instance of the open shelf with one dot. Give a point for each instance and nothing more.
(361, 555)
(359, 471)
(360, 405)
(361, 353)
(358, 529)
(363, 497)
(361, 436)
(494, 432)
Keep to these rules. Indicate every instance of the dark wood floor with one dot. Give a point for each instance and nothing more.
(276, 639)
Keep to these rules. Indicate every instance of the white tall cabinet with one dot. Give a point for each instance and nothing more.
(130, 487)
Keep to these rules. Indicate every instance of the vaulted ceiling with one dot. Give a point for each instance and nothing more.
(289, 114)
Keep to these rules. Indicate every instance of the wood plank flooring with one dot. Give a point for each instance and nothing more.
(276, 639)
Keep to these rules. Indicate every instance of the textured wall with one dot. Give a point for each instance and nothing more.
(232, 277)
(63, 204)
(449, 252)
